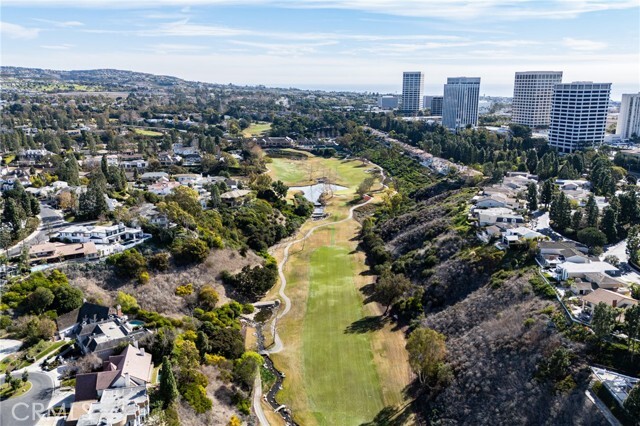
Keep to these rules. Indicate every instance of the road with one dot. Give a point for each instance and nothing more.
(50, 219)
(27, 409)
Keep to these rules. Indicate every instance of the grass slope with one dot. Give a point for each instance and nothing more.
(256, 129)
(333, 377)
(342, 381)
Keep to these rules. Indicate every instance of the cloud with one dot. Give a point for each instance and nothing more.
(454, 10)
(63, 46)
(169, 48)
(183, 28)
(61, 24)
(16, 31)
(583, 45)
(285, 49)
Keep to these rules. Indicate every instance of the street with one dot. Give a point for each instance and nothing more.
(27, 409)
(50, 219)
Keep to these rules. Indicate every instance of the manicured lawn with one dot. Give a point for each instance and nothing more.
(150, 133)
(6, 392)
(303, 172)
(342, 382)
(337, 373)
(256, 129)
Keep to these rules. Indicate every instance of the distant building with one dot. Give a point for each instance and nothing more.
(629, 118)
(532, 93)
(436, 105)
(578, 115)
(388, 102)
(412, 83)
(460, 104)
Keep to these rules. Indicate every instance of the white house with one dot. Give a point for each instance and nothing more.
(568, 270)
(101, 234)
(163, 187)
(495, 215)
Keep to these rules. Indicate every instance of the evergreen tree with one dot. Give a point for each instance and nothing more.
(576, 220)
(560, 212)
(104, 165)
(592, 212)
(609, 224)
(168, 388)
(215, 201)
(532, 197)
(546, 192)
(13, 215)
(532, 160)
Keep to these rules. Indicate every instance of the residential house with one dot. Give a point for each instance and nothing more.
(556, 252)
(187, 178)
(167, 160)
(568, 270)
(101, 234)
(150, 213)
(104, 337)
(68, 323)
(610, 298)
(52, 252)
(153, 177)
(235, 198)
(163, 187)
(497, 200)
(580, 287)
(520, 234)
(495, 215)
(127, 406)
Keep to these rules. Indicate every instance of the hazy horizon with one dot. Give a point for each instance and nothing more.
(361, 45)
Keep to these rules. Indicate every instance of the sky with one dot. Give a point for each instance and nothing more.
(361, 45)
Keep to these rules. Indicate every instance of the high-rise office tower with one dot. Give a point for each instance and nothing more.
(460, 104)
(532, 92)
(629, 118)
(388, 102)
(436, 105)
(412, 82)
(578, 115)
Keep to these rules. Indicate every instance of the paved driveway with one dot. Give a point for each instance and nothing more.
(27, 409)
(8, 347)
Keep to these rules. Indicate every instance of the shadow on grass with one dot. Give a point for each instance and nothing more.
(391, 416)
(366, 324)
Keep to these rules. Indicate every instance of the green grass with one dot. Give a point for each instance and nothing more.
(150, 133)
(256, 129)
(297, 172)
(6, 392)
(339, 372)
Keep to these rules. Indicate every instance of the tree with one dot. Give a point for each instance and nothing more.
(67, 298)
(189, 250)
(389, 288)
(633, 243)
(25, 376)
(234, 421)
(603, 321)
(593, 212)
(560, 212)
(246, 368)
(128, 264)
(427, 350)
(612, 259)
(168, 390)
(592, 237)
(546, 192)
(280, 188)
(39, 300)
(365, 186)
(532, 197)
(208, 298)
(576, 220)
(632, 403)
(631, 327)
(127, 302)
(609, 224)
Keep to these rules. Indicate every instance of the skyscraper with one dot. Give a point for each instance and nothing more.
(629, 118)
(578, 115)
(436, 105)
(460, 104)
(412, 82)
(532, 92)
